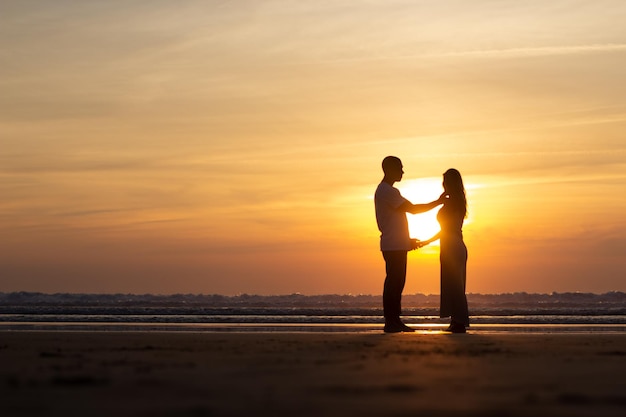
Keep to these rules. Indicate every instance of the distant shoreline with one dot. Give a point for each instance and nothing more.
(363, 300)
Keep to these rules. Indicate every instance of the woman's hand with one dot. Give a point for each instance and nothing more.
(423, 243)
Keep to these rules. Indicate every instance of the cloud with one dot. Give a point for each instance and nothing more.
(589, 179)
(505, 53)
(536, 51)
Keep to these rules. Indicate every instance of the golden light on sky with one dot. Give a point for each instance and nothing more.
(424, 225)
(234, 147)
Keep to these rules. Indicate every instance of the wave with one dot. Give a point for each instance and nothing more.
(506, 304)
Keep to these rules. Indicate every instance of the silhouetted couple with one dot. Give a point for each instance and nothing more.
(395, 242)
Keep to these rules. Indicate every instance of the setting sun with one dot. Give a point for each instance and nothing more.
(425, 225)
(422, 226)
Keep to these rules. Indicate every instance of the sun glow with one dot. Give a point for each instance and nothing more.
(424, 225)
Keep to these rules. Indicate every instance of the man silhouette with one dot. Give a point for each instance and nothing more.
(395, 242)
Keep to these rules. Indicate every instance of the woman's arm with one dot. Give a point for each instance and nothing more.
(423, 243)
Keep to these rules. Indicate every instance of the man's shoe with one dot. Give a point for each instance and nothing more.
(406, 328)
(398, 327)
(393, 328)
(456, 328)
(459, 329)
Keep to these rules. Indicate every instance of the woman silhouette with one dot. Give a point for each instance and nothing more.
(453, 253)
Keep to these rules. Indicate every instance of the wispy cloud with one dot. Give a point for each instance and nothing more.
(537, 51)
(590, 179)
(504, 53)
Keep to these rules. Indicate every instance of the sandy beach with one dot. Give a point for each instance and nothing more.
(311, 374)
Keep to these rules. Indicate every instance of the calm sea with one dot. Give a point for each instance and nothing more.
(519, 312)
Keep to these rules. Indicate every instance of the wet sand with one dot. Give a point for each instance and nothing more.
(311, 374)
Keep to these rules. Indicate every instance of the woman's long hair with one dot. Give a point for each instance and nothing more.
(456, 191)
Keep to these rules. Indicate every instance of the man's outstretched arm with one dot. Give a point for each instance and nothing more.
(422, 208)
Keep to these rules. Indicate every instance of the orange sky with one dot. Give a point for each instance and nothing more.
(234, 147)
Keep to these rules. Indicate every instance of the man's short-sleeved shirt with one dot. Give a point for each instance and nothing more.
(392, 222)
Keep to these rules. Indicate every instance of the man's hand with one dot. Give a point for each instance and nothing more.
(415, 244)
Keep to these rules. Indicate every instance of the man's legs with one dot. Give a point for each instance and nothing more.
(395, 266)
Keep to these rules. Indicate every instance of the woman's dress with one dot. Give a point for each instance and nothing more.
(453, 258)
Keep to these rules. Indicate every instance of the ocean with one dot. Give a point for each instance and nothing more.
(512, 312)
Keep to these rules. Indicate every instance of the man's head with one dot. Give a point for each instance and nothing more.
(392, 167)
